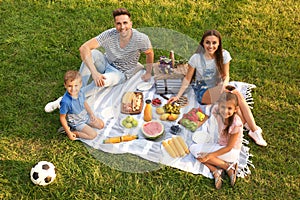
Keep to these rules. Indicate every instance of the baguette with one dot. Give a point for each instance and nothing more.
(172, 145)
(124, 138)
(127, 138)
(183, 144)
(169, 149)
(112, 140)
(178, 146)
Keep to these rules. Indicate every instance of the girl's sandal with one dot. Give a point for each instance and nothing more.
(218, 178)
(234, 168)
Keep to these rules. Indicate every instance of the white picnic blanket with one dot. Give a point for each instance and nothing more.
(107, 105)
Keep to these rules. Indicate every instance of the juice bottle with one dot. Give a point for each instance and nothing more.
(148, 111)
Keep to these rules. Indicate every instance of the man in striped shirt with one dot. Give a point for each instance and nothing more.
(123, 46)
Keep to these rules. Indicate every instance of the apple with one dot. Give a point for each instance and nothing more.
(172, 117)
(164, 116)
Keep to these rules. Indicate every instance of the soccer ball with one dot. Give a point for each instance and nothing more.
(42, 173)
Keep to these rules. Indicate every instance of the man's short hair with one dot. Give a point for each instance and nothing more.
(121, 11)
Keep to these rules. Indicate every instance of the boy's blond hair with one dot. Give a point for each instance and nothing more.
(71, 75)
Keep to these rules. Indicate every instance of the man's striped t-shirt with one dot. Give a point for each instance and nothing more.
(125, 59)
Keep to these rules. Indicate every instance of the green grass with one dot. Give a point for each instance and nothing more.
(39, 41)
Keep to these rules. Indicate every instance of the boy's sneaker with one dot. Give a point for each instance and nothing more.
(257, 137)
(51, 106)
(61, 130)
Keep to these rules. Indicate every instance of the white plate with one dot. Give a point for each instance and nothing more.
(201, 137)
(144, 86)
(108, 112)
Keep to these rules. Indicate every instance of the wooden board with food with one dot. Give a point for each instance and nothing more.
(132, 103)
(193, 119)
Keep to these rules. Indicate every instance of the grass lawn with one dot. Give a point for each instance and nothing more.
(39, 41)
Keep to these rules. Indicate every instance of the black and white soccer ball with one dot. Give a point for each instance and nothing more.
(43, 173)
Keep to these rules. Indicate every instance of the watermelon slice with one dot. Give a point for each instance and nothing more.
(153, 130)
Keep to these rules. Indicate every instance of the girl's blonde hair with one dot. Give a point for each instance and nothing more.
(71, 75)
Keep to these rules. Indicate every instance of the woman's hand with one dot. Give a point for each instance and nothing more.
(173, 99)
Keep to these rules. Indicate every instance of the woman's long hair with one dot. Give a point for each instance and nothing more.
(218, 53)
(228, 96)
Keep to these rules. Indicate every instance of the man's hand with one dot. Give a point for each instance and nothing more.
(99, 79)
(146, 77)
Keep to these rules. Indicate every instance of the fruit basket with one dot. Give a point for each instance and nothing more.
(169, 83)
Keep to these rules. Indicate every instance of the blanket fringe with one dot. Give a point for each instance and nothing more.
(244, 141)
(245, 171)
(248, 97)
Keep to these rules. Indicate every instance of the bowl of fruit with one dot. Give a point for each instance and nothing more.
(129, 122)
(169, 112)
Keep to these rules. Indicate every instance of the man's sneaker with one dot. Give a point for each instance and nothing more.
(257, 137)
(51, 106)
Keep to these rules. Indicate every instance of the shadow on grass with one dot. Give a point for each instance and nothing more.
(124, 162)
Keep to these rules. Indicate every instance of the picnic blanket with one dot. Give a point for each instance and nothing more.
(106, 103)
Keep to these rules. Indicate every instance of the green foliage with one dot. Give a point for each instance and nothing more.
(39, 41)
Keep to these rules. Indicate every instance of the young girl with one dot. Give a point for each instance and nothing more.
(210, 64)
(75, 111)
(225, 154)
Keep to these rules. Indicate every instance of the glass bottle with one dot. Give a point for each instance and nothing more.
(148, 111)
(172, 57)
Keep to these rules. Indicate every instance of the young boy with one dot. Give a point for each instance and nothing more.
(76, 116)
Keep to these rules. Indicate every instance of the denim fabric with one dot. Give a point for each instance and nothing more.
(199, 88)
(113, 75)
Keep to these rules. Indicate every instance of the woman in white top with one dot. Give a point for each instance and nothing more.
(210, 64)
